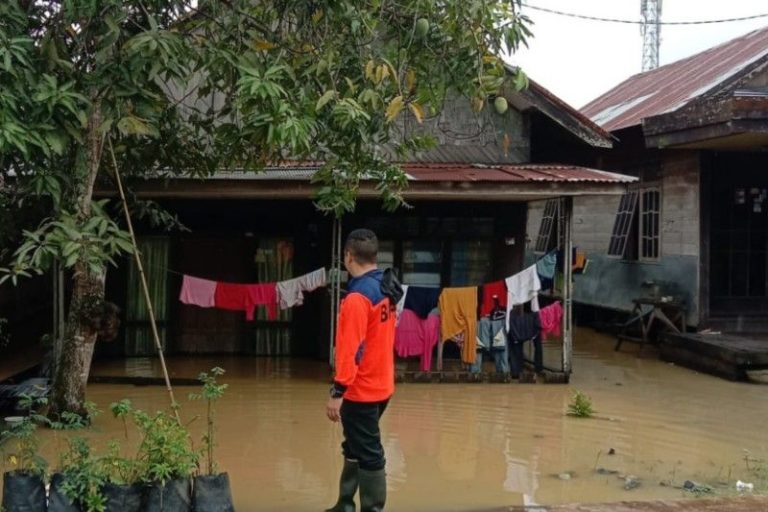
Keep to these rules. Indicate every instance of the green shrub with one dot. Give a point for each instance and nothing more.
(580, 406)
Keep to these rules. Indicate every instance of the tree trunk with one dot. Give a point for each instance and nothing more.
(73, 368)
(73, 364)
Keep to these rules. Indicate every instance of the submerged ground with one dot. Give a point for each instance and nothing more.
(474, 446)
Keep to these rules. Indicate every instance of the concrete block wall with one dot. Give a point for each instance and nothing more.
(680, 214)
(610, 282)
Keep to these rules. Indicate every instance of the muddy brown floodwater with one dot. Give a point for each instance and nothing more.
(470, 447)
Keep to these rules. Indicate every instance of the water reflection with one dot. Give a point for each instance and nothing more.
(470, 447)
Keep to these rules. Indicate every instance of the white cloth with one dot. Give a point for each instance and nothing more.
(401, 302)
(521, 288)
(290, 293)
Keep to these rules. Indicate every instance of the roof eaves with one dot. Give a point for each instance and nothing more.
(564, 114)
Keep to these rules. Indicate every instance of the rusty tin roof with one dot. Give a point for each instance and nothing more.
(674, 85)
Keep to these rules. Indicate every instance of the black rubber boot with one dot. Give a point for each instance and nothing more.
(373, 490)
(347, 488)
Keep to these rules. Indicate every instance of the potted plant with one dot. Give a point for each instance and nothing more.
(168, 462)
(23, 486)
(211, 490)
(121, 488)
(77, 487)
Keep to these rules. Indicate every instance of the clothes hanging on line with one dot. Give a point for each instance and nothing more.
(546, 267)
(245, 297)
(401, 303)
(291, 292)
(422, 300)
(198, 292)
(524, 328)
(500, 358)
(521, 288)
(458, 314)
(578, 260)
(487, 293)
(551, 320)
(491, 334)
(415, 336)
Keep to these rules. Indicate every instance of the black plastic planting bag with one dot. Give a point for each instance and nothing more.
(174, 496)
(122, 498)
(23, 492)
(212, 494)
(57, 500)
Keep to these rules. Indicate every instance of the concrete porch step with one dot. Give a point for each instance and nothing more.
(722, 354)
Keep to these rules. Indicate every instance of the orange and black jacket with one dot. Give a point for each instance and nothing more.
(365, 339)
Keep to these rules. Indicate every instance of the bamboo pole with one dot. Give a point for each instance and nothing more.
(144, 285)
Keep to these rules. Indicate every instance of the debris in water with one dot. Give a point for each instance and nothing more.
(631, 482)
(605, 471)
(696, 488)
(666, 483)
(744, 486)
(611, 452)
(565, 476)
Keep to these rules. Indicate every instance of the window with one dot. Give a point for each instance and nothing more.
(548, 231)
(471, 262)
(623, 226)
(422, 263)
(650, 213)
(636, 231)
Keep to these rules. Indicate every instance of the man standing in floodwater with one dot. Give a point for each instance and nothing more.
(365, 372)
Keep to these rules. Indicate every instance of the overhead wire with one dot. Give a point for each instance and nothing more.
(641, 22)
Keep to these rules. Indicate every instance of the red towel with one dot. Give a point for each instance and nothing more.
(489, 290)
(245, 297)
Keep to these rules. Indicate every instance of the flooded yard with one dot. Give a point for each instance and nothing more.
(471, 446)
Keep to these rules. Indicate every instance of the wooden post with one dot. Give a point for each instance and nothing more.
(567, 203)
(58, 315)
(144, 285)
(335, 278)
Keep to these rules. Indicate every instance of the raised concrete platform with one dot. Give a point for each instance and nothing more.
(725, 355)
(740, 504)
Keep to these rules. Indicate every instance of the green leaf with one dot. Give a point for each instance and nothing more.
(57, 141)
(324, 99)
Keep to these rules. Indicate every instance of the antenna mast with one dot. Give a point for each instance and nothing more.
(650, 10)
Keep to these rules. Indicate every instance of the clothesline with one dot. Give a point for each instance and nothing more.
(580, 265)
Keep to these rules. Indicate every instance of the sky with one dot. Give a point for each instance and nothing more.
(579, 60)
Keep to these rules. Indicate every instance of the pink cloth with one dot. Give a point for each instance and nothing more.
(417, 337)
(198, 292)
(551, 319)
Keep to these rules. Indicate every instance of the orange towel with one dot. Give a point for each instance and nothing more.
(458, 313)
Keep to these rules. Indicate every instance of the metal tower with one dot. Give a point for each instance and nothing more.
(650, 10)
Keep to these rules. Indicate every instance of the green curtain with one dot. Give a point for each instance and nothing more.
(138, 330)
(274, 262)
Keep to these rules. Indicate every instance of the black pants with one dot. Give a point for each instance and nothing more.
(517, 357)
(362, 437)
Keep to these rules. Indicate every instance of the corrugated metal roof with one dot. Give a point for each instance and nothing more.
(670, 87)
(451, 172)
(516, 173)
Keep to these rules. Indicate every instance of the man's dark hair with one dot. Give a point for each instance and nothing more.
(363, 245)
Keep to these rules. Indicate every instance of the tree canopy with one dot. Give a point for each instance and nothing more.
(184, 87)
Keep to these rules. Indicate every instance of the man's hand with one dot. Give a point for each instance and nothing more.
(332, 409)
